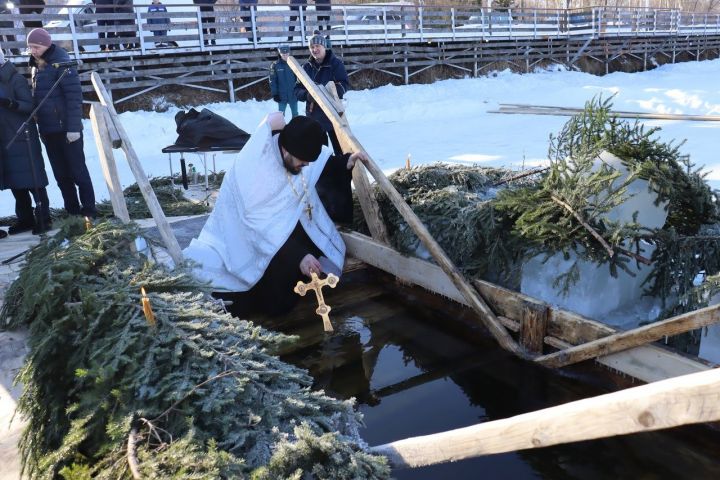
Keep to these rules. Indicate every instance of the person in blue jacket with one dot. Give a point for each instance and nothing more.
(157, 7)
(323, 67)
(22, 168)
(282, 82)
(60, 122)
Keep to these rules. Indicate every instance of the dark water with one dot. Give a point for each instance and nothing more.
(411, 377)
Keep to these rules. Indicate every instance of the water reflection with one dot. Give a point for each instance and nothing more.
(411, 377)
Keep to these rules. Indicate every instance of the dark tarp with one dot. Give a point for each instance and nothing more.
(206, 130)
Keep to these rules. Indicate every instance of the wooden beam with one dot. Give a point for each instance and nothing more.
(101, 131)
(519, 108)
(633, 338)
(348, 140)
(112, 132)
(647, 363)
(670, 403)
(166, 232)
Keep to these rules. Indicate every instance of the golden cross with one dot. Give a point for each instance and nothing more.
(316, 284)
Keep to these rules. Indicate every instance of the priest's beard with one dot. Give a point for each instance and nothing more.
(289, 164)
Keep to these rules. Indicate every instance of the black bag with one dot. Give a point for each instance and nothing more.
(206, 130)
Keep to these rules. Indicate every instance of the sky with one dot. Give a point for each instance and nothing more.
(449, 120)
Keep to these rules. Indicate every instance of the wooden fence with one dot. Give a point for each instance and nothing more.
(199, 49)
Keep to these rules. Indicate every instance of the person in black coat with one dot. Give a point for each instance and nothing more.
(323, 20)
(126, 7)
(298, 6)
(103, 7)
(18, 161)
(60, 122)
(32, 6)
(207, 6)
(323, 67)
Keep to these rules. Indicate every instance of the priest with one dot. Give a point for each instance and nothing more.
(269, 227)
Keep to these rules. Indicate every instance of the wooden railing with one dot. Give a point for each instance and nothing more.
(84, 32)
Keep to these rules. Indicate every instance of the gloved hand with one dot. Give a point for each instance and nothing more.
(72, 136)
(276, 98)
(8, 103)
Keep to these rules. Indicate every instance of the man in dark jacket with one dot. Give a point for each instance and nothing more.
(22, 168)
(60, 122)
(323, 67)
(282, 82)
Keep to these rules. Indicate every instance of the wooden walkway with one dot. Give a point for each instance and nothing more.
(401, 42)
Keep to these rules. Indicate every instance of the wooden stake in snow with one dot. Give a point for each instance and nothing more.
(166, 233)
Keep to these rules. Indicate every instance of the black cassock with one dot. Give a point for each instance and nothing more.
(273, 293)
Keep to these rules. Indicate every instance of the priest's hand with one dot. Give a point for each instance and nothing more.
(309, 264)
(362, 156)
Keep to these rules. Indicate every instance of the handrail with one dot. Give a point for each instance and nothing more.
(76, 29)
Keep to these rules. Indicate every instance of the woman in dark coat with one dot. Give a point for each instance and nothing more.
(60, 122)
(16, 171)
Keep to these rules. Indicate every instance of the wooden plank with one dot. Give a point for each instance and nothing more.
(670, 403)
(648, 363)
(633, 338)
(520, 109)
(101, 131)
(350, 143)
(166, 232)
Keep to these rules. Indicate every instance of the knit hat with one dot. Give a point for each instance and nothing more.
(317, 39)
(303, 138)
(39, 36)
(283, 49)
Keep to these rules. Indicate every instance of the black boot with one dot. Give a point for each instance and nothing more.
(20, 227)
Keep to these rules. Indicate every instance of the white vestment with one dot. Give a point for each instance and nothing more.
(255, 213)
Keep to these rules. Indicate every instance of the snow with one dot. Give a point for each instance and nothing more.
(449, 121)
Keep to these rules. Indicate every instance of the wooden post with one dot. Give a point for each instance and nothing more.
(533, 326)
(693, 398)
(633, 338)
(350, 143)
(148, 193)
(101, 132)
